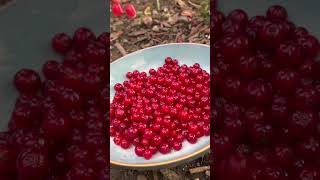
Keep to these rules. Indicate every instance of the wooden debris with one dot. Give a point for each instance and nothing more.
(147, 20)
(208, 173)
(199, 169)
(141, 177)
(114, 36)
(155, 28)
(170, 175)
(165, 24)
(183, 19)
(182, 4)
(197, 6)
(137, 33)
(121, 49)
(155, 175)
(140, 39)
(187, 13)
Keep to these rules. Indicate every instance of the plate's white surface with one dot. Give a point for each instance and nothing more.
(26, 28)
(143, 60)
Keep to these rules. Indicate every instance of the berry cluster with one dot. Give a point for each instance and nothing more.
(157, 112)
(266, 97)
(58, 126)
(118, 11)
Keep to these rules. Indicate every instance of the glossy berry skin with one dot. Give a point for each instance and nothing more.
(70, 99)
(234, 45)
(216, 21)
(27, 81)
(130, 11)
(304, 98)
(238, 15)
(61, 43)
(147, 154)
(271, 35)
(257, 93)
(308, 148)
(82, 37)
(288, 55)
(223, 145)
(248, 66)
(80, 171)
(7, 159)
(52, 70)
(236, 166)
(93, 53)
(32, 164)
(285, 81)
(164, 148)
(231, 88)
(277, 12)
(302, 123)
(261, 133)
(56, 125)
(117, 9)
(309, 44)
(139, 150)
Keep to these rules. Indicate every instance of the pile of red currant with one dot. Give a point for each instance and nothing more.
(157, 112)
(58, 125)
(266, 101)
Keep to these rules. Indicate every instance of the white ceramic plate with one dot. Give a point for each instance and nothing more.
(143, 60)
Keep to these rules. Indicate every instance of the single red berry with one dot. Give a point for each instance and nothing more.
(32, 164)
(27, 81)
(61, 43)
(117, 9)
(277, 12)
(130, 11)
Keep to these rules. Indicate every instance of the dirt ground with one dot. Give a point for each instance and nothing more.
(161, 22)
(173, 21)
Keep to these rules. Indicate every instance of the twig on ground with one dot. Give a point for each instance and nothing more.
(199, 169)
(155, 176)
(121, 49)
(170, 175)
(197, 6)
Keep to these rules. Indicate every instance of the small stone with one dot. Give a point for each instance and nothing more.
(147, 20)
(155, 12)
(155, 28)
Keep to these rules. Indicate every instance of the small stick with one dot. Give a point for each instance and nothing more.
(155, 176)
(199, 169)
(121, 49)
(158, 5)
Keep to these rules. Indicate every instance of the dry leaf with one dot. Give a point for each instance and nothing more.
(170, 175)
(148, 11)
(182, 4)
(188, 13)
(147, 20)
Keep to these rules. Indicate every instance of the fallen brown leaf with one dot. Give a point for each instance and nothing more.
(187, 13)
